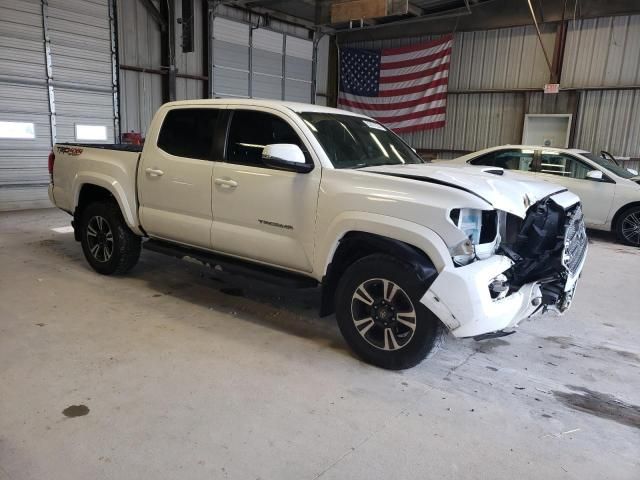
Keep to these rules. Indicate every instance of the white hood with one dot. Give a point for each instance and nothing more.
(510, 192)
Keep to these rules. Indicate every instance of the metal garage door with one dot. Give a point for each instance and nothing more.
(25, 135)
(298, 69)
(230, 58)
(266, 64)
(260, 63)
(56, 84)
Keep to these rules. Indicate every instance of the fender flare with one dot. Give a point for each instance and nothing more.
(418, 236)
(417, 245)
(126, 205)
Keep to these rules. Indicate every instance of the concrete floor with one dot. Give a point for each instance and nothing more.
(184, 379)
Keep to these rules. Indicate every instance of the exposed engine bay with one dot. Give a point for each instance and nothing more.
(546, 247)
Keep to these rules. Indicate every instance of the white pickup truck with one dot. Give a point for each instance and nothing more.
(302, 195)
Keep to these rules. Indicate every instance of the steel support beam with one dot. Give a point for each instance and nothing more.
(49, 72)
(155, 14)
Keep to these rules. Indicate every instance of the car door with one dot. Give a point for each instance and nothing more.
(261, 213)
(570, 172)
(521, 159)
(174, 177)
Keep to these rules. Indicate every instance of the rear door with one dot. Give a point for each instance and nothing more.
(571, 172)
(174, 178)
(261, 213)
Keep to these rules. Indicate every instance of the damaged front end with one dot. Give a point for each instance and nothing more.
(549, 248)
(510, 268)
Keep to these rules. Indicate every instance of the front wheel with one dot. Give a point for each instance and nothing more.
(108, 244)
(628, 227)
(380, 315)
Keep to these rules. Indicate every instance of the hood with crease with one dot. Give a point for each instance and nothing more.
(508, 191)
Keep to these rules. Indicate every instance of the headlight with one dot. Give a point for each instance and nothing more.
(481, 229)
(469, 220)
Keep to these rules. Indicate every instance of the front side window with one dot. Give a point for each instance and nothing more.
(251, 131)
(556, 163)
(609, 165)
(515, 159)
(188, 132)
(356, 142)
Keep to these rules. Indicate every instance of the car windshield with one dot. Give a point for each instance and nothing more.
(356, 142)
(609, 165)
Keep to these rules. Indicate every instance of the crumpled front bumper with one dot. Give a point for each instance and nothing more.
(461, 299)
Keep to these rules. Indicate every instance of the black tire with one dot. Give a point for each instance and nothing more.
(627, 227)
(116, 256)
(377, 274)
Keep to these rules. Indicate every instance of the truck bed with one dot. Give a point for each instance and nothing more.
(121, 147)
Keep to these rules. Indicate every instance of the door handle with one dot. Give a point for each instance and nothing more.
(154, 172)
(226, 182)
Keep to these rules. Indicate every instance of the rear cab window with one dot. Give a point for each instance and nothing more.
(189, 132)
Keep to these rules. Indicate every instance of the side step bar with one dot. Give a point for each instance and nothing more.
(232, 266)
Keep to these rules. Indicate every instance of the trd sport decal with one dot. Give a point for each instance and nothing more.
(275, 224)
(73, 151)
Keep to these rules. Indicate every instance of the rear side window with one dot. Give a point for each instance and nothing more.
(188, 132)
(516, 159)
(251, 131)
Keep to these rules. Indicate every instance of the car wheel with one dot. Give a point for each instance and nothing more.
(108, 244)
(380, 315)
(628, 227)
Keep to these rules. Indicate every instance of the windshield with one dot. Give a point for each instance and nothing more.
(356, 142)
(609, 165)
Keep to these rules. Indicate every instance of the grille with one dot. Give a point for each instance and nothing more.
(575, 240)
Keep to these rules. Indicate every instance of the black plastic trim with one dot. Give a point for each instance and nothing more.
(232, 265)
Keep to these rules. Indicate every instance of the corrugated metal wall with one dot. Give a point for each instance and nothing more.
(605, 52)
(600, 53)
(503, 59)
(609, 120)
(138, 45)
(191, 63)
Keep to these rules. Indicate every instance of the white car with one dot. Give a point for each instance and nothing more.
(302, 195)
(610, 194)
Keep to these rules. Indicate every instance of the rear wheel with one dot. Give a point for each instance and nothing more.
(628, 227)
(108, 244)
(380, 315)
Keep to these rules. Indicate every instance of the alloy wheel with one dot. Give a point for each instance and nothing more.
(100, 238)
(631, 228)
(383, 314)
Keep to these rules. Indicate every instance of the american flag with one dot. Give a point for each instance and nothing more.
(404, 88)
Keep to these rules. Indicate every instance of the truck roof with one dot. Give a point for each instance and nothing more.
(277, 104)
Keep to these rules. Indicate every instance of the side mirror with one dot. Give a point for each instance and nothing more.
(595, 175)
(632, 171)
(285, 156)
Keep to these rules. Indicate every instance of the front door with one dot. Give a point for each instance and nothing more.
(174, 178)
(260, 213)
(571, 173)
